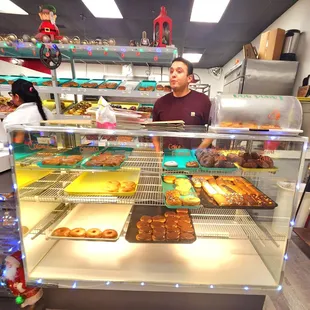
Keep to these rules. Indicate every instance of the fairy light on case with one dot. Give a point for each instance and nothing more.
(142, 283)
(292, 223)
(177, 285)
(74, 285)
(39, 281)
(108, 283)
(279, 288)
(246, 288)
(211, 286)
(285, 256)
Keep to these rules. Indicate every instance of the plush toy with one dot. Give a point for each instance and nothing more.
(48, 31)
(14, 278)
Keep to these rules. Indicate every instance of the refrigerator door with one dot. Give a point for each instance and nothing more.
(269, 77)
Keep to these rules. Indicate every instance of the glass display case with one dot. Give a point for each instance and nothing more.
(258, 114)
(97, 216)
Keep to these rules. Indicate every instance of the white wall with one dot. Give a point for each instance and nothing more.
(297, 17)
(96, 71)
(7, 68)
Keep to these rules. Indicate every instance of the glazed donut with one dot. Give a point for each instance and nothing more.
(182, 211)
(187, 229)
(146, 218)
(158, 237)
(109, 234)
(25, 229)
(93, 233)
(159, 230)
(141, 224)
(171, 227)
(187, 237)
(144, 237)
(61, 232)
(145, 229)
(77, 233)
(127, 186)
(155, 225)
(159, 218)
(170, 214)
(172, 236)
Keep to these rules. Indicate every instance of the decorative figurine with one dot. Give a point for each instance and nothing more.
(26, 37)
(162, 29)
(144, 41)
(14, 279)
(48, 25)
(132, 43)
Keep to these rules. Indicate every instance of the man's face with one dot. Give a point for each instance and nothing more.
(179, 77)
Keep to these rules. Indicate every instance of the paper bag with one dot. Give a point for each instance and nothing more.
(105, 115)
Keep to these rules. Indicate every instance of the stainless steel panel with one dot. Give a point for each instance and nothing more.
(234, 87)
(306, 119)
(236, 72)
(269, 77)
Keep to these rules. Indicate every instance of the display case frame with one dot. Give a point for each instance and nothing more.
(151, 164)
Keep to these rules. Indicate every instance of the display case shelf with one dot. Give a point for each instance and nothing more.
(95, 53)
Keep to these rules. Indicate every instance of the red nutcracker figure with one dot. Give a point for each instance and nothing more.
(15, 280)
(162, 29)
(48, 28)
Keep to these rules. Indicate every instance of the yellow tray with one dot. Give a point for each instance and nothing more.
(275, 169)
(26, 177)
(51, 105)
(92, 183)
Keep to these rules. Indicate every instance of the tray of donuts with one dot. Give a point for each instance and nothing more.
(179, 192)
(88, 222)
(160, 225)
(230, 192)
(112, 158)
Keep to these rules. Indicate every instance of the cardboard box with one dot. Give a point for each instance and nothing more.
(271, 44)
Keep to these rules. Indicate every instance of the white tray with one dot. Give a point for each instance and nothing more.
(276, 132)
(101, 216)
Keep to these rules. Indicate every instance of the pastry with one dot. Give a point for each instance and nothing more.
(142, 224)
(171, 221)
(187, 236)
(187, 229)
(127, 186)
(184, 220)
(191, 201)
(159, 230)
(172, 194)
(183, 189)
(146, 218)
(208, 189)
(155, 225)
(25, 229)
(182, 211)
(159, 87)
(158, 237)
(121, 87)
(171, 164)
(220, 199)
(172, 201)
(172, 227)
(169, 179)
(77, 232)
(192, 164)
(61, 232)
(144, 237)
(51, 161)
(159, 218)
(109, 234)
(172, 236)
(182, 181)
(169, 214)
(145, 229)
(167, 88)
(197, 182)
(93, 233)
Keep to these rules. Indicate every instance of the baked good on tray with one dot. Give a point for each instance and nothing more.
(254, 160)
(210, 158)
(82, 233)
(106, 159)
(165, 228)
(234, 191)
(62, 160)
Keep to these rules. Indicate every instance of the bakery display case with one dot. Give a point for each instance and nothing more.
(127, 218)
(257, 114)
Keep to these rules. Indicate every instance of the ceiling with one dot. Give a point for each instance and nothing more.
(241, 23)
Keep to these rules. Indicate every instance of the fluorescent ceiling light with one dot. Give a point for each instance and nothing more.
(192, 57)
(8, 7)
(103, 8)
(208, 11)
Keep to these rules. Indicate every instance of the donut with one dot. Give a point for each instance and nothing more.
(171, 163)
(145, 229)
(146, 218)
(155, 225)
(61, 232)
(144, 237)
(109, 234)
(187, 229)
(158, 237)
(184, 220)
(77, 233)
(187, 237)
(192, 164)
(172, 236)
(175, 230)
(169, 214)
(159, 218)
(25, 229)
(141, 224)
(169, 179)
(93, 233)
(171, 227)
(182, 211)
(171, 220)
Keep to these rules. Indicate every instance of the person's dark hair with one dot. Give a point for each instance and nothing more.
(28, 93)
(190, 67)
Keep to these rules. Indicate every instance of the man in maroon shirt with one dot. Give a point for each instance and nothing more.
(182, 104)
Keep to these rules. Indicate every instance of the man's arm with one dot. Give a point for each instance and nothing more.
(205, 143)
(206, 116)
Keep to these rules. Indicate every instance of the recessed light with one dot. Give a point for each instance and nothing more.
(103, 9)
(8, 7)
(192, 57)
(208, 11)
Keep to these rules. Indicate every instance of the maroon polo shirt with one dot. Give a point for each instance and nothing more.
(193, 109)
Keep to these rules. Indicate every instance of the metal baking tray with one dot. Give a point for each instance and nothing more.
(139, 211)
(209, 202)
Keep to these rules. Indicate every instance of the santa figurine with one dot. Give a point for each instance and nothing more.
(48, 31)
(14, 278)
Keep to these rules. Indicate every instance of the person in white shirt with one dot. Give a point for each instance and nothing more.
(29, 110)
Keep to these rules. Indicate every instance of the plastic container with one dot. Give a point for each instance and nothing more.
(257, 114)
(282, 214)
(180, 159)
(145, 84)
